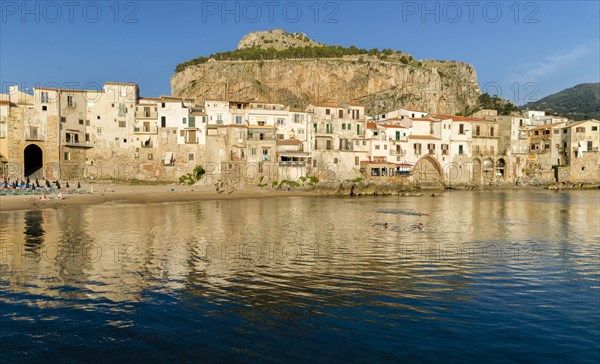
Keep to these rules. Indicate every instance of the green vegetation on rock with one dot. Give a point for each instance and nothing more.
(580, 102)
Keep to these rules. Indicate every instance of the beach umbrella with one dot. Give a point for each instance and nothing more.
(28, 180)
(58, 184)
(5, 184)
(33, 186)
(37, 183)
(78, 185)
(68, 184)
(48, 183)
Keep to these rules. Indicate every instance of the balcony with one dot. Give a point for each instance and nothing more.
(145, 130)
(77, 144)
(397, 152)
(292, 164)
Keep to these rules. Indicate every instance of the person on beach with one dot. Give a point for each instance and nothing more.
(44, 197)
(423, 214)
(420, 226)
(385, 225)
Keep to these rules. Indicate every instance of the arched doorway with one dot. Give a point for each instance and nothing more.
(501, 168)
(34, 161)
(488, 171)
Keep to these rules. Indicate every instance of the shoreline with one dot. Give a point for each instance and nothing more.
(140, 195)
(122, 194)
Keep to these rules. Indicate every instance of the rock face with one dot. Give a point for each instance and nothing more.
(277, 39)
(380, 84)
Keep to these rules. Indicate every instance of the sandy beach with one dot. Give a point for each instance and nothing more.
(113, 194)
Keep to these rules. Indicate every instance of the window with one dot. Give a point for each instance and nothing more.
(122, 124)
(594, 128)
(397, 135)
(477, 130)
(417, 148)
(70, 102)
(87, 123)
(63, 119)
(460, 149)
(555, 131)
(280, 136)
(253, 151)
(377, 147)
(297, 118)
(45, 98)
(385, 146)
(444, 149)
(190, 157)
(182, 133)
(341, 114)
(219, 119)
(99, 131)
(327, 112)
(335, 161)
(565, 131)
(356, 161)
(329, 128)
(461, 128)
(328, 144)
(163, 121)
(87, 137)
(44, 108)
(67, 156)
(589, 146)
(580, 130)
(238, 119)
(98, 117)
(150, 156)
(185, 120)
(300, 131)
(33, 132)
(80, 121)
(124, 140)
(163, 105)
(430, 128)
(477, 150)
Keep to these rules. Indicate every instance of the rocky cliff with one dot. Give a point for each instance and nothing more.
(381, 81)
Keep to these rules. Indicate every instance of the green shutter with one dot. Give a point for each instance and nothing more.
(397, 135)
(192, 123)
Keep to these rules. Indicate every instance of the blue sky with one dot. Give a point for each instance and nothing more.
(522, 50)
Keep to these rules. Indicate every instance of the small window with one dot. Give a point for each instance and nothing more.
(67, 156)
(124, 140)
(556, 131)
(99, 131)
(98, 117)
(327, 112)
(63, 119)
(356, 161)
(150, 156)
(121, 124)
(44, 108)
(185, 120)
(87, 123)
(594, 128)
(190, 157)
(580, 130)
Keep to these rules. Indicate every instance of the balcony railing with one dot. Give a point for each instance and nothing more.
(78, 144)
(397, 152)
(292, 164)
(145, 130)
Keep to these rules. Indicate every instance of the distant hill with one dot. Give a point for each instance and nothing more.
(581, 102)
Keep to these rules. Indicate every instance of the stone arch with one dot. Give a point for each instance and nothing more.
(428, 170)
(501, 168)
(488, 170)
(33, 159)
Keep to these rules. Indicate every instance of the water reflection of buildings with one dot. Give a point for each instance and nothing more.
(300, 247)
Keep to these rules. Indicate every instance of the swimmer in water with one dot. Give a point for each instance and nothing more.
(385, 225)
(423, 214)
